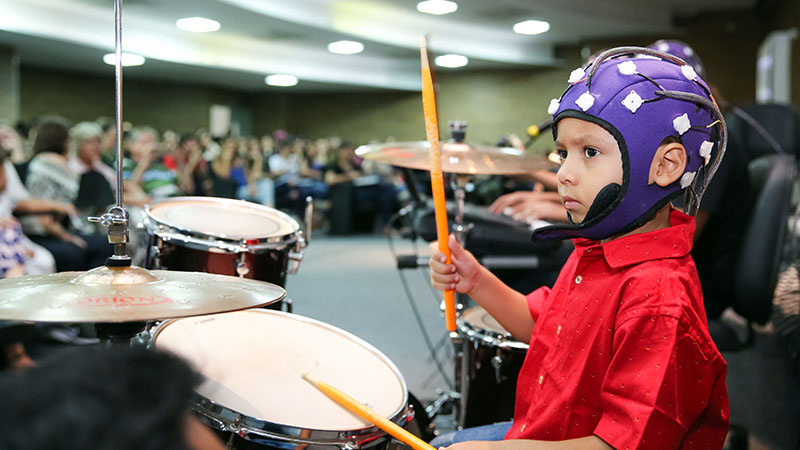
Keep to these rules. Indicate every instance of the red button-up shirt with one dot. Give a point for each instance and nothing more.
(621, 349)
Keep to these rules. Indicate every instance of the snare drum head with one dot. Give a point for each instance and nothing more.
(222, 218)
(252, 361)
(479, 319)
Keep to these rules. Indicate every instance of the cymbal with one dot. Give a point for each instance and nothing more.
(131, 294)
(457, 157)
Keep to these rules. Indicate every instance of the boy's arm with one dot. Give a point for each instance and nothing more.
(467, 276)
(584, 443)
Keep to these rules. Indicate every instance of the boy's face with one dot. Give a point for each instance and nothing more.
(590, 160)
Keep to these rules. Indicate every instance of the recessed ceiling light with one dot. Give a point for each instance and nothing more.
(346, 47)
(197, 24)
(281, 80)
(531, 27)
(128, 59)
(451, 60)
(437, 7)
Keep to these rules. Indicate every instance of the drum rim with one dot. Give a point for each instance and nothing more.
(228, 419)
(488, 336)
(173, 232)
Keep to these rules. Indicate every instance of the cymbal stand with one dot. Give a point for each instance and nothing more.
(116, 219)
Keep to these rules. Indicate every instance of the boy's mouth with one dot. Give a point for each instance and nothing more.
(570, 203)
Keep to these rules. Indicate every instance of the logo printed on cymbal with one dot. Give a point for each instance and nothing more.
(123, 301)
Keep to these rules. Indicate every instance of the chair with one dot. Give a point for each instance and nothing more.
(755, 272)
(780, 123)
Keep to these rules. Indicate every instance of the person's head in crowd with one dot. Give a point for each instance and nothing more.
(52, 136)
(346, 153)
(169, 141)
(87, 139)
(267, 144)
(633, 131)
(683, 51)
(188, 145)
(104, 399)
(279, 136)
(143, 142)
(11, 142)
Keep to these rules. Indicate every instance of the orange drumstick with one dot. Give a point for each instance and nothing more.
(437, 180)
(367, 414)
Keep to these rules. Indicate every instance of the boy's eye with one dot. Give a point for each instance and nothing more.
(562, 154)
(590, 152)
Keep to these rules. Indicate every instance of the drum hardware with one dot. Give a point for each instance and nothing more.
(223, 236)
(242, 269)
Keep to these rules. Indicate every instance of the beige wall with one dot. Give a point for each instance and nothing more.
(80, 97)
(9, 85)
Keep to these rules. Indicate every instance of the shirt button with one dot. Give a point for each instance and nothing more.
(588, 250)
(558, 330)
(541, 379)
(578, 279)
(523, 427)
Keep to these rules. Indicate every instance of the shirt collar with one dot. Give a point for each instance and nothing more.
(672, 242)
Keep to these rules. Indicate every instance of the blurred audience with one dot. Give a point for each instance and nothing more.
(50, 178)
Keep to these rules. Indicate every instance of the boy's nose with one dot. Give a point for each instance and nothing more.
(566, 174)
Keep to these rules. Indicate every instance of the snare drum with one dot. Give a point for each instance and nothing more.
(490, 366)
(252, 361)
(222, 236)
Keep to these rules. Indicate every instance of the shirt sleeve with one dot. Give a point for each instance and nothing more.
(535, 301)
(660, 387)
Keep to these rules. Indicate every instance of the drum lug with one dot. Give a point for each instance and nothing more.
(242, 268)
(497, 363)
(350, 445)
(155, 257)
(295, 257)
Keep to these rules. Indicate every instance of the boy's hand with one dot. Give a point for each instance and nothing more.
(461, 276)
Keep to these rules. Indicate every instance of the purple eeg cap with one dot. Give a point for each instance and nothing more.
(683, 51)
(641, 101)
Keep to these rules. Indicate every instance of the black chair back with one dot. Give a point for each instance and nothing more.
(756, 272)
(779, 122)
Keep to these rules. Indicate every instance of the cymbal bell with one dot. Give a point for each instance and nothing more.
(130, 294)
(457, 157)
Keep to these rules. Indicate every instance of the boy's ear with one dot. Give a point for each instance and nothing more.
(668, 164)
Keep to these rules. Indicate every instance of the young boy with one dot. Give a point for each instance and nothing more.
(620, 356)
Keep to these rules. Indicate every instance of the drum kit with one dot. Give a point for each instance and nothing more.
(487, 359)
(210, 261)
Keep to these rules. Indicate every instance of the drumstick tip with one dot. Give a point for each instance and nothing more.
(307, 377)
(423, 43)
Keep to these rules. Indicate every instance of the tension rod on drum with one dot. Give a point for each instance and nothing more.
(116, 219)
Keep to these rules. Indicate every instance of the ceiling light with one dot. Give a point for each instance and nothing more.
(437, 7)
(197, 24)
(128, 59)
(346, 47)
(531, 27)
(281, 80)
(451, 61)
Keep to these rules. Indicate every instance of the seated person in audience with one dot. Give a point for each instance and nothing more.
(146, 168)
(192, 170)
(12, 143)
(370, 192)
(294, 179)
(244, 166)
(620, 355)
(50, 178)
(110, 399)
(13, 255)
(86, 139)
